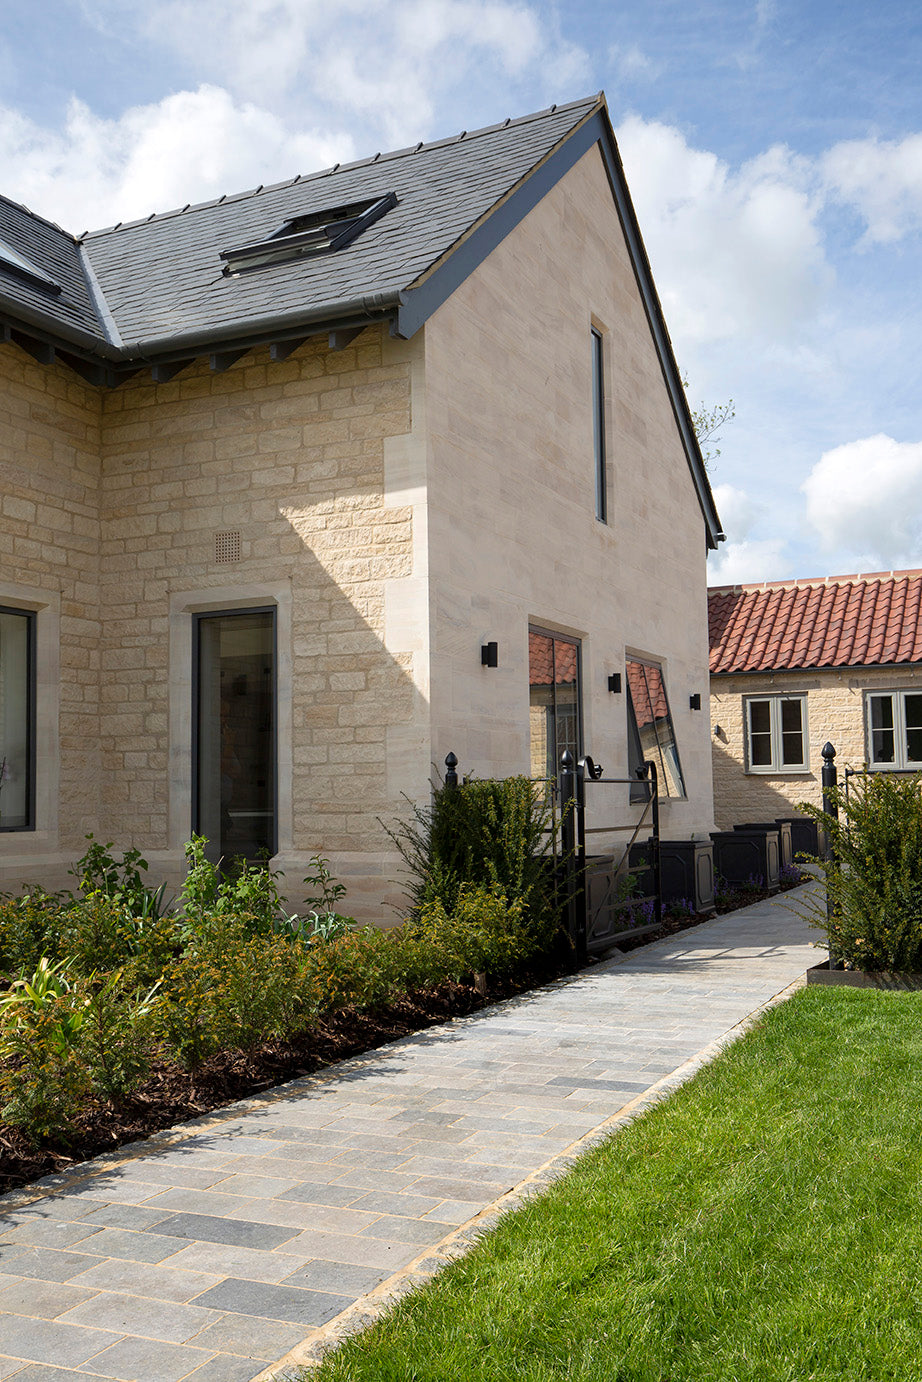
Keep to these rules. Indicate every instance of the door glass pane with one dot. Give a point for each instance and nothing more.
(235, 777)
(913, 708)
(15, 720)
(792, 734)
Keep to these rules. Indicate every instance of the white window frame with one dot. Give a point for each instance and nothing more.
(901, 761)
(775, 701)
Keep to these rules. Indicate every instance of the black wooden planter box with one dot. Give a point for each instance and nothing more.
(786, 849)
(804, 835)
(687, 869)
(745, 855)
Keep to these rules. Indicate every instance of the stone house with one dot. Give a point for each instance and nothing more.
(297, 486)
(797, 664)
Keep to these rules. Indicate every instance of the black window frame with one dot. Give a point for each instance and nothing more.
(31, 618)
(640, 791)
(598, 424)
(198, 617)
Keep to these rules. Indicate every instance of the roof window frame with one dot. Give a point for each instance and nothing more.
(335, 228)
(12, 262)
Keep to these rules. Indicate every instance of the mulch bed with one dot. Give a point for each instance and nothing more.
(171, 1095)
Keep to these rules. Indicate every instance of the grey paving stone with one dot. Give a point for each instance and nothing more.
(152, 1319)
(43, 1372)
(425, 1232)
(136, 1217)
(44, 1299)
(67, 1207)
(406, 1205)
(145, 1279)
(259, 1187)
(50, 1341)
(290, 1304)
(148, 1360)
(227, 1369)
(122, 1242)
(267, 1340)
(359, 1251)
(204, 1228)
(44, 1264)
(340, 1278)
(223, 1259)
(48, 1233)
(338, 1195)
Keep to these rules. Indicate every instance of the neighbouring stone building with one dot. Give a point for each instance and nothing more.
(798, 664)
(278, 470)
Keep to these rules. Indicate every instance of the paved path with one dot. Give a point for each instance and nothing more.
(215, 1250)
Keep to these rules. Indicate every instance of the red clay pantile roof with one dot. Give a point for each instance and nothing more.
(832, 621)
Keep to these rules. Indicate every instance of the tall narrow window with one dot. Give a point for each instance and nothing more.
(555, 708)
(235, 773)
(17, 720)
(598, 426)
(650, 732)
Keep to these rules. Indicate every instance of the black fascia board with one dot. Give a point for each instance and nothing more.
(424, 299)
(44, 327)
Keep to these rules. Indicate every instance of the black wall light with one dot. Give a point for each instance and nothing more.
(614, 683)
(694, 702)
(489, 654)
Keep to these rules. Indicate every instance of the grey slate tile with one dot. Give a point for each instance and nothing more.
(211, 1230)
(50, 1341)
(291, 1304)
(148, 1360)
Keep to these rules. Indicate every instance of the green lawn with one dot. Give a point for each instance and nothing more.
(765, 1223)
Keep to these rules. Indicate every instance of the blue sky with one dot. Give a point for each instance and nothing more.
(773, 149)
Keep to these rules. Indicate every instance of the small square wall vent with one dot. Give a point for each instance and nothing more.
(227, 546)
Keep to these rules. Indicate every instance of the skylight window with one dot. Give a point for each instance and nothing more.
(316, 232)
(20, 267)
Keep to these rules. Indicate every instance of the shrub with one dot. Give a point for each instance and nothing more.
(491, 834)
(102, 932)
(116, 1031)
(484, 932)
(99, 872)
(44, 1081)
(874, 878)
(29, 929)
(231, 989)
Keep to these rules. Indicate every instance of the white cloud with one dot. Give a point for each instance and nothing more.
(881, 180)
(190, 146)
(735, 253)
(393, 63)
(744, 563)
(864, 502)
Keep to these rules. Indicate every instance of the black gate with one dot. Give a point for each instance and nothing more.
(601, 909)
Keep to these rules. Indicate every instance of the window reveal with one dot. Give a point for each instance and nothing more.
(555, 700)
(17, 719)
(598, 426)
(650, 731)
(235, 757)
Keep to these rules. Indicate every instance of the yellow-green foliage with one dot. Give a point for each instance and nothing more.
(483, 932)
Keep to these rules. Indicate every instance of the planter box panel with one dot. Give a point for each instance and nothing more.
(741, 855)
(858, 979)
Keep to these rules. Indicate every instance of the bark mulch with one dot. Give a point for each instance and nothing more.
(172, 1095)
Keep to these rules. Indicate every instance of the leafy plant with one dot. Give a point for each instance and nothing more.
(874, 875)
(116, 1031)
(29, 930)
(484, 932)
(99, 872)
(44, 1082)
(492, 834)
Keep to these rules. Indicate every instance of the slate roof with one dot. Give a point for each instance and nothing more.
(836, 621)
(159, 280)
(55, 253)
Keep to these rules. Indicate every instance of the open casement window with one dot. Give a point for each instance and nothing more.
(17, 719)
(895, 730)
(554, 700)
(776, 734)
(650, 731)
(235, 744)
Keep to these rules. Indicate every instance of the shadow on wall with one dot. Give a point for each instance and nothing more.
(740, 797)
